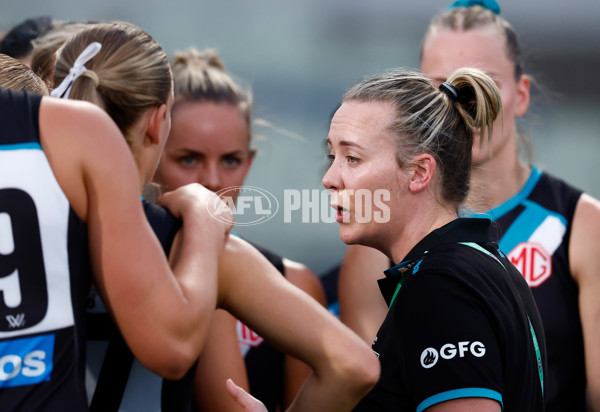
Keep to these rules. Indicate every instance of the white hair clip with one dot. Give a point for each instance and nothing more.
(62, 91)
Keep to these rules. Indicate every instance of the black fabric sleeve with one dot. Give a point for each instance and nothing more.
(450, 349)
(163, 223)
(15, 127)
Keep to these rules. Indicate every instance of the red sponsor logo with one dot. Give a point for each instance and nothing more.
(533, 261)
(247, 336)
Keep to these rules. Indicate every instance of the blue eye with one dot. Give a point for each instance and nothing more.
(232, 161)
(188, 160)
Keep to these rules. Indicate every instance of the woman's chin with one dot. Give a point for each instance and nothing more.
(350, 236)
(481, 154)
(347, 236)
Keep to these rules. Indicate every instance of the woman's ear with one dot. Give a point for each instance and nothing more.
(421, 172)
(155, 118)
(523, 95)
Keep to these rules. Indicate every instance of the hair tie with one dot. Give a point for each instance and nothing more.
(491, 5)
(77, 70)
(90, 74)
(450, 90)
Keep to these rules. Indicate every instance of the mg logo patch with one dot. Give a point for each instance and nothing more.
(533, 261)
(247, 336)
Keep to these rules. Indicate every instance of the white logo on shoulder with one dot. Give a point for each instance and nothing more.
(430, 356)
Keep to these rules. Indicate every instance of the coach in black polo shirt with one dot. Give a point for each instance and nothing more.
(455, 330)
(462, 331)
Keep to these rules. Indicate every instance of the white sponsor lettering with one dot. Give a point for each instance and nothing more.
(448, 351)
(8, 372)
(32, 365)
(462, 348)
(477, 349)
(429, 356)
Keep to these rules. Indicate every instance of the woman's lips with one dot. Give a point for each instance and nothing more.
(342, 215)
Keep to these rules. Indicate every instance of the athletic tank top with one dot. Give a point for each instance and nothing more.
(44, 272)
(534, 228)
(116, 381)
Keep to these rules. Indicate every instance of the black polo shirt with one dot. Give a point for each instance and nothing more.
(462, 323)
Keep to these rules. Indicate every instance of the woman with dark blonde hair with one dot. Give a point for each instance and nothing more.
(549, 229)
(63, 210)
(122, 69)
(17, 76)
(462, 332)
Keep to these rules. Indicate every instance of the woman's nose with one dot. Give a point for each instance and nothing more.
(210, 178)
(332, 180)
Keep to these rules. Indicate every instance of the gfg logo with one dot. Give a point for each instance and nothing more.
(430, 356)
(249, 205)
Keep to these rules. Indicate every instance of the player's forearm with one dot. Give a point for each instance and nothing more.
(195, 265)
(341, 387)
(180, 311)
(591, 328)
(344, 366)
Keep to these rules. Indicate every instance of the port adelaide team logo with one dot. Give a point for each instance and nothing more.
(431, 356)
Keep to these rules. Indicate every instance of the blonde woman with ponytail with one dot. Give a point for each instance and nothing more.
(71, 213)
(547, 227)
(462, 332)
(122, 69)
